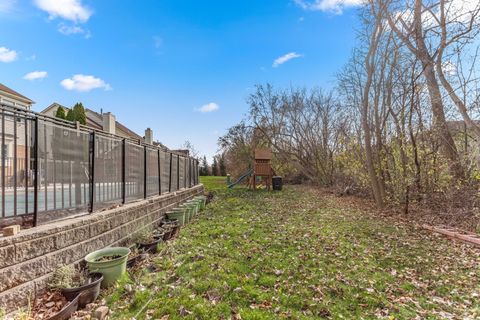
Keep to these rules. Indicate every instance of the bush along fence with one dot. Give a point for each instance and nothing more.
(51, 169)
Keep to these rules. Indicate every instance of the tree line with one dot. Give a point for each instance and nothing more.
(217, 168)
(401, 123)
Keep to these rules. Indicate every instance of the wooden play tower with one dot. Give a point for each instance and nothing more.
(262, 167)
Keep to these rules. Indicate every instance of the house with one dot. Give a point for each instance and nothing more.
(14, 148)
(106, 121)
(12, 98)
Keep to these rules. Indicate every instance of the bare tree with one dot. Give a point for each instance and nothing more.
(412, 27)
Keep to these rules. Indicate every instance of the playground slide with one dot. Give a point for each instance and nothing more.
(242, 177)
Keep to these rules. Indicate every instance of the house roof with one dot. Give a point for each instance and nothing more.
(14, 93)
(95, 121)
(98, 122)
(53, 105)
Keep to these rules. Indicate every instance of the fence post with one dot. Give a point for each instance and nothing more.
(35, 174)
(15, 159)
(170, 175)
(159, 173)
(26, 165)
(145, 172)
(92, 178)
(124, 179)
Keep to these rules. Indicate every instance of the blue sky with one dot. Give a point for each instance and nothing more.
(160, 63)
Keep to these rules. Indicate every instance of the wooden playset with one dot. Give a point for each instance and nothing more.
(262, 168)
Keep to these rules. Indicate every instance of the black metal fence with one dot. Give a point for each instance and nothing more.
(52, 169)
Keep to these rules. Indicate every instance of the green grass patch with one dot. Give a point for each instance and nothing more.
(296, 254)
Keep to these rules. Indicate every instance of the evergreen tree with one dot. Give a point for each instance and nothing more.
(70, 115)
(204, 167)
(79, 113)
(60, 113)
(221, 165)
(214, 167)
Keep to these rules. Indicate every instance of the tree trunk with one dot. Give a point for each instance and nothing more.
(440, 124)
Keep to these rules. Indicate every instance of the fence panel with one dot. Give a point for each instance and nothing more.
(174, 186)
(63, 171)
(16, 179)
(165, 164)
(108, 171)
(152, 172)
(187, 173)
(181, 176)
(134, 174)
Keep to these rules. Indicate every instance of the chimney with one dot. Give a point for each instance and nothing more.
(109, 122)
(149, 136)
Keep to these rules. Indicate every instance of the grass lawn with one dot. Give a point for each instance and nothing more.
(300, 254)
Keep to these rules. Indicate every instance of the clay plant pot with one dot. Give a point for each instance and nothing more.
(111, 262)
(177, 214)
(87, 293)
(67, 310)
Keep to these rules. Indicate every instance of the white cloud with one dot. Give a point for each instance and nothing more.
(69, 30)
(457, 13)
(35, 75)
(84, 83)
(289, 56)
(7, 55)
(209, 107)
(462, 10)
(449, 68)
(72, 10)
(335, 6)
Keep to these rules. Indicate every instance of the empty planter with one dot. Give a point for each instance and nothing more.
(177, 214)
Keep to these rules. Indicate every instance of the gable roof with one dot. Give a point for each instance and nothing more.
(14, 93)
(53, 105)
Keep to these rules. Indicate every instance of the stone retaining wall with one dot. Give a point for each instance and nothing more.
(28, 259)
